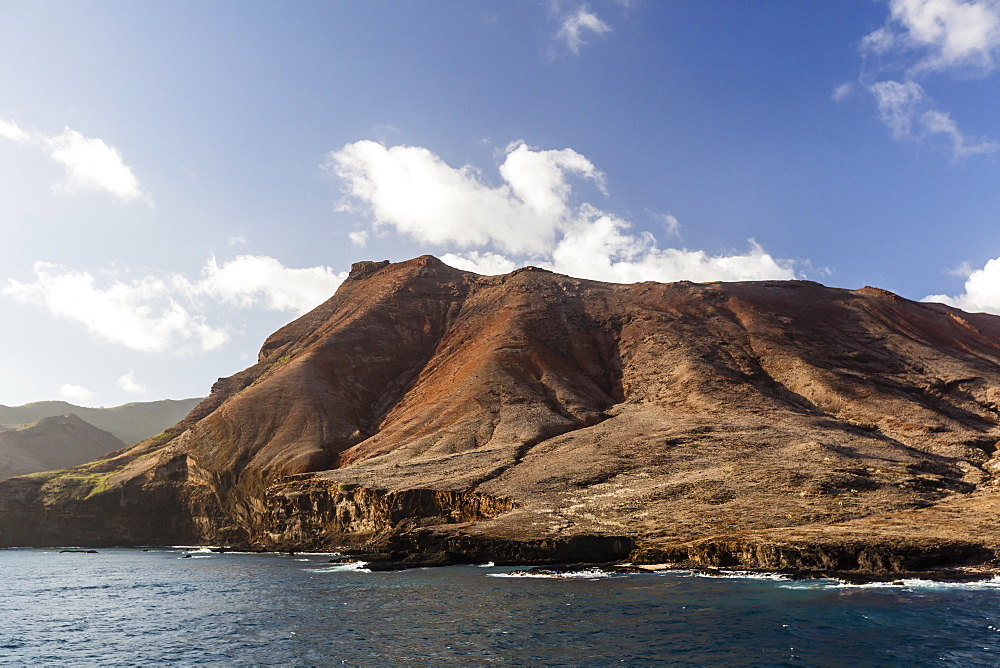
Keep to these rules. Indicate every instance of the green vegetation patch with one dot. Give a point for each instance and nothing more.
(274, 366)
(78, 484)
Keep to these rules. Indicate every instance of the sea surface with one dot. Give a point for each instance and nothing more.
(134, 607)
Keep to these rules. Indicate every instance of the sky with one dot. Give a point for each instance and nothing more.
(180, 179)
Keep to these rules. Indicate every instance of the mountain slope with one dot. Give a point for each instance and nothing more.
(533, 416)
(52, 443)
(129, 422)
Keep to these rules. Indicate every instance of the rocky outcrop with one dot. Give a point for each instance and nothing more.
(429, 411)
(320, 514)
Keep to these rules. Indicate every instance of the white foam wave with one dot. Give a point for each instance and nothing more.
(586, 574)
(925, 585)
(743, 575)
(195, 548)
(355, 566)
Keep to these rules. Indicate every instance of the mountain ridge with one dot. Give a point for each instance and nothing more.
(425, 410)
(52, 442)
(129, 422)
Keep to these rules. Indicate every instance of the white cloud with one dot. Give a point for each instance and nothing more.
(166, 313)
(575, 27)
(842, 91)
(251, 280)
(898, 105)
(982, 290)
(233, 241)
(10, 130)
(909, 113)
(530, 219)
(359, 238)
(671, 225)
(947, 34)
(487, 263)
(142, 314)
(90, 163)
(415, 192)
(923, 37)
(127, 383)
(75, 392)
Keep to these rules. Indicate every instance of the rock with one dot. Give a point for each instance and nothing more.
(436, 416)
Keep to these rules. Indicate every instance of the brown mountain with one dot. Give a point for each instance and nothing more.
(130, 422)
(52, 443)
(533, 416)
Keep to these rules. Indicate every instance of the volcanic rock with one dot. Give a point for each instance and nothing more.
(436, 414)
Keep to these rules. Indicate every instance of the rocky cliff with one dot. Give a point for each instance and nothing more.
(532, 416)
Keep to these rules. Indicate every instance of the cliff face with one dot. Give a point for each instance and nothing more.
(423, 405)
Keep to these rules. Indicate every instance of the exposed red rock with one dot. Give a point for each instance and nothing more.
(427, 406)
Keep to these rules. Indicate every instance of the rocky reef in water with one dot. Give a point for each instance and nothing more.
(432, 415)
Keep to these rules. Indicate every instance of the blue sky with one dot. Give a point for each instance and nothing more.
(177, 180)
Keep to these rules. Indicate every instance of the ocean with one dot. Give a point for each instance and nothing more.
(126, 607)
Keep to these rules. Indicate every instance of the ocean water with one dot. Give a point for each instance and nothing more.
(134, 607)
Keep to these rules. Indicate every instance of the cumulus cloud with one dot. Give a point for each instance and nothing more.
(530, 218)
(908, 112)
(942, 34)
(485, 262)
(142, 314)
(413, 191)
(577, 25)
(165, 313)
(982, 290)
(75, 392)
(252, 280)
(128, 384)
(90, 163)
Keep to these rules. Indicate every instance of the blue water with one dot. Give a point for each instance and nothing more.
(129, 607)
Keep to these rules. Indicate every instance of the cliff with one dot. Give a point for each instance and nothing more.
(428, 411)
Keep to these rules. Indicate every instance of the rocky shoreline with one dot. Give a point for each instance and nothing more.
(852, 563)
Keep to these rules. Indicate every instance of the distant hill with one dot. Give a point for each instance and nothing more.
(52, 443)
(130, 422)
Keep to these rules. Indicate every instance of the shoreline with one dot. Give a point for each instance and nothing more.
(376, 562)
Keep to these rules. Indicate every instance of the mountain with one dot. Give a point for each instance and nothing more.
(51, 443)
(434, 414)
(129, 422)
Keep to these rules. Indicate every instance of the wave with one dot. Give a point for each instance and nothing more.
(583, 574)
(351, 566)
(910, 584)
